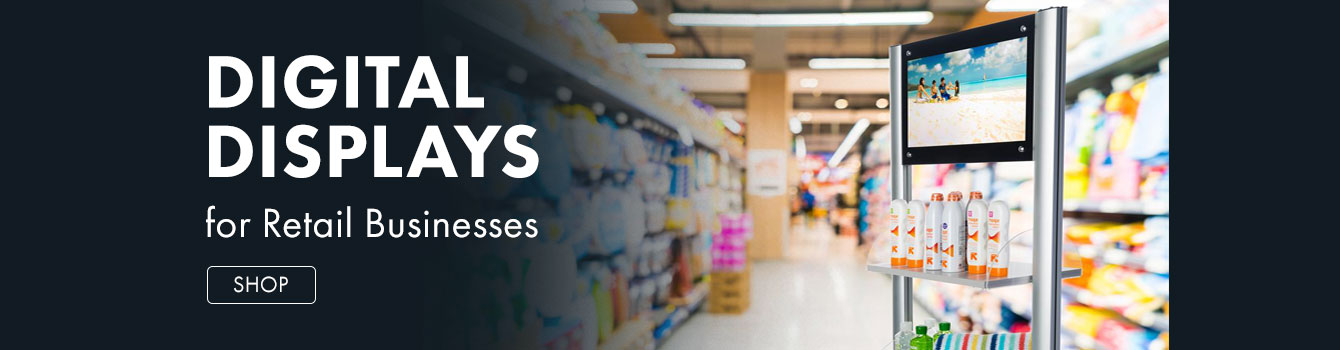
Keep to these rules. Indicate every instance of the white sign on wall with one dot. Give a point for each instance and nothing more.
(767, 172)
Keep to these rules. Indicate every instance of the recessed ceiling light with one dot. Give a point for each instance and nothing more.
(841, 103)
(882, 103)
(809, 83)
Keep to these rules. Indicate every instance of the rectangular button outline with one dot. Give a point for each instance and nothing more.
(211, 302)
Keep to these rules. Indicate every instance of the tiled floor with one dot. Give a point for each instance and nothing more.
(820, 297)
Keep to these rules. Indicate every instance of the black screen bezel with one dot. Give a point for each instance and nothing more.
(972, 153)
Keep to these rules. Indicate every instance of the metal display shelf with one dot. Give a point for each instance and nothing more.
(510, 43)
(1113, 206)
(1045, 271)
(1020, 273)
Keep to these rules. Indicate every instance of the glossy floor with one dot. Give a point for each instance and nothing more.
(819, 297)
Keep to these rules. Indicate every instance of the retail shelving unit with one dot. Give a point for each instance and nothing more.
(1045, 272)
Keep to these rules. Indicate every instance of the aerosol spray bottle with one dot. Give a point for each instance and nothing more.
(930, 235)
(916, 218)
(897, 220)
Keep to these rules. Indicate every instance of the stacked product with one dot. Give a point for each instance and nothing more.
(730, 266)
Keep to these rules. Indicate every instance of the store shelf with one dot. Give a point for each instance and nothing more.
(1020, 273)
(512, 44)
(1151, 320)
(1114, 206)
(1136, 57)
(1123, 257)
(680, 311)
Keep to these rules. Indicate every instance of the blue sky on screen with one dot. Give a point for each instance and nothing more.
(1002, 59)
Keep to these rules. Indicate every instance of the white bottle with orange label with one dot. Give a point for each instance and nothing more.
(916, 218)
(931, 233)
(952, 245)
(897, 219)
(998, 228)
(977, 232)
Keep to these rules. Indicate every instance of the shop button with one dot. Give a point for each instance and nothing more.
(260, 285)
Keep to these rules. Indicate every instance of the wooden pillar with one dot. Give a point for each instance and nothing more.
(767, 112)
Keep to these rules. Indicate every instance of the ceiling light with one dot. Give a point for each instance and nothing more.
(800, 146)
(841, 103)
(849, 63)
(809, 83)
(804, 116)
(649, 48)
(795, 126)
(855, 133)
(696, 63)
(801, 19)
(1025, 5)
(882, 103)
(612, 6)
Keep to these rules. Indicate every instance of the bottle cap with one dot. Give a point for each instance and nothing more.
(921, 330)
(955, 196)
(936, 197)
(944, 326)
(975, 195)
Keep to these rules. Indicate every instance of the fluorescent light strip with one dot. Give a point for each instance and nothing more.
(1024, 5)
(650, 48)
(801, 19)
(612, 6)
(696, 63)
(855, 133)
(849, 63)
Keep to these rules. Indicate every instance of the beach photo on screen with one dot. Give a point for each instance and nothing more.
(970, 96)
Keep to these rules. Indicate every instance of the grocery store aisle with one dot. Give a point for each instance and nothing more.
(820, 297)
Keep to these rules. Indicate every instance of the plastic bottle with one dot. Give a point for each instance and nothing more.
(922, 341)
(998, 225)
(977, 234)
(903, 340)
(897, 218)
(930, 235)
(916, 218)
(952, 237)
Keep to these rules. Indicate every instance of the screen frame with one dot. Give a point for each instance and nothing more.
(1012, 151)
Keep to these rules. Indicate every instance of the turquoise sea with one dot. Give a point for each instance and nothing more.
(989, 85)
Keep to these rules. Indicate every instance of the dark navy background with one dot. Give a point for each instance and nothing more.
(117, 196)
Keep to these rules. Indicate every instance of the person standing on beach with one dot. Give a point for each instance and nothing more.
(921, 89)
(956, 88)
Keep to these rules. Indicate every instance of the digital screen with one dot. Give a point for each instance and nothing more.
(972, 96)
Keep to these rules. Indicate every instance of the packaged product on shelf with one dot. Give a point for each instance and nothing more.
(931, 237)
(997, 247)
(952, 237)
(916, 219)
(977, 234)
(897, 220)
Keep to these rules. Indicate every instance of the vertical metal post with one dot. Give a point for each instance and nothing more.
(899, 183)
(1048, 104)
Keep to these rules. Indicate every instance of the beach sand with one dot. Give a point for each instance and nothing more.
(996, 116)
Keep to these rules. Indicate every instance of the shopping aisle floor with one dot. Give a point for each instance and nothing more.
(819, 297)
